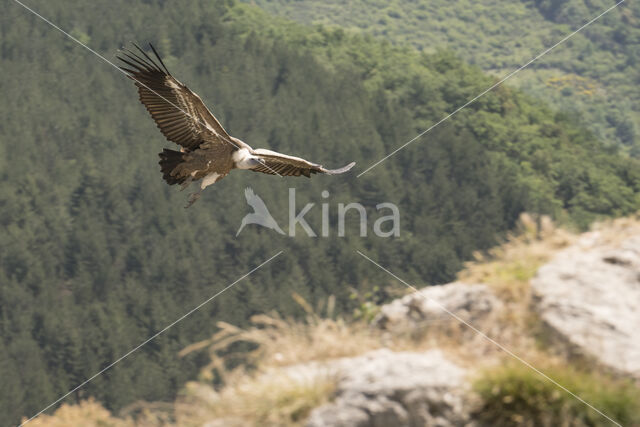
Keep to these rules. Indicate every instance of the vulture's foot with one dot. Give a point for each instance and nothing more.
(193, 197)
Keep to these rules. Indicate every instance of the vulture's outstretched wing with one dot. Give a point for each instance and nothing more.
(292, 166)
(179, 113)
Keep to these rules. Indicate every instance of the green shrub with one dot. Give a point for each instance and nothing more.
(513, 394)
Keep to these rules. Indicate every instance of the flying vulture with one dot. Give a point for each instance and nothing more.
(207, 152)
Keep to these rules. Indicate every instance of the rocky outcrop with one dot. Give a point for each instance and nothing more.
(385, 388)
(471, 303)
(589, 297)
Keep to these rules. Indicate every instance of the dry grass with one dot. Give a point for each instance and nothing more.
(612, 232)
(265, 399)
(284, 342)
(86, 414)
(509, 267)
(264, 390)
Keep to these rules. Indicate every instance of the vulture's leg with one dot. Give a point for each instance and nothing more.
(186, 183)
(193, 197)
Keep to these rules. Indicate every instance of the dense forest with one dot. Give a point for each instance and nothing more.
(97, 252)
(594, 75)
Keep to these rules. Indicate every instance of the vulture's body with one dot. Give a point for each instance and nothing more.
(208, 152)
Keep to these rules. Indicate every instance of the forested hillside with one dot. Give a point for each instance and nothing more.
(595, 75)
(97, 252)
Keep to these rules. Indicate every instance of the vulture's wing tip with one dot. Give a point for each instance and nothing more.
(340, 170)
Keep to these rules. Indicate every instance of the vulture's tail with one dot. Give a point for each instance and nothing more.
(169, 159)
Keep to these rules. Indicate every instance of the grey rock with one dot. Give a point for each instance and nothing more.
(471, 303)
(384, 388)
(589, 297)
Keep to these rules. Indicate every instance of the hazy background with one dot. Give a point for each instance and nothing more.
(97, 252)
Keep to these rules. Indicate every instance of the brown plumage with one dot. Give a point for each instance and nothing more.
(208, 152)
